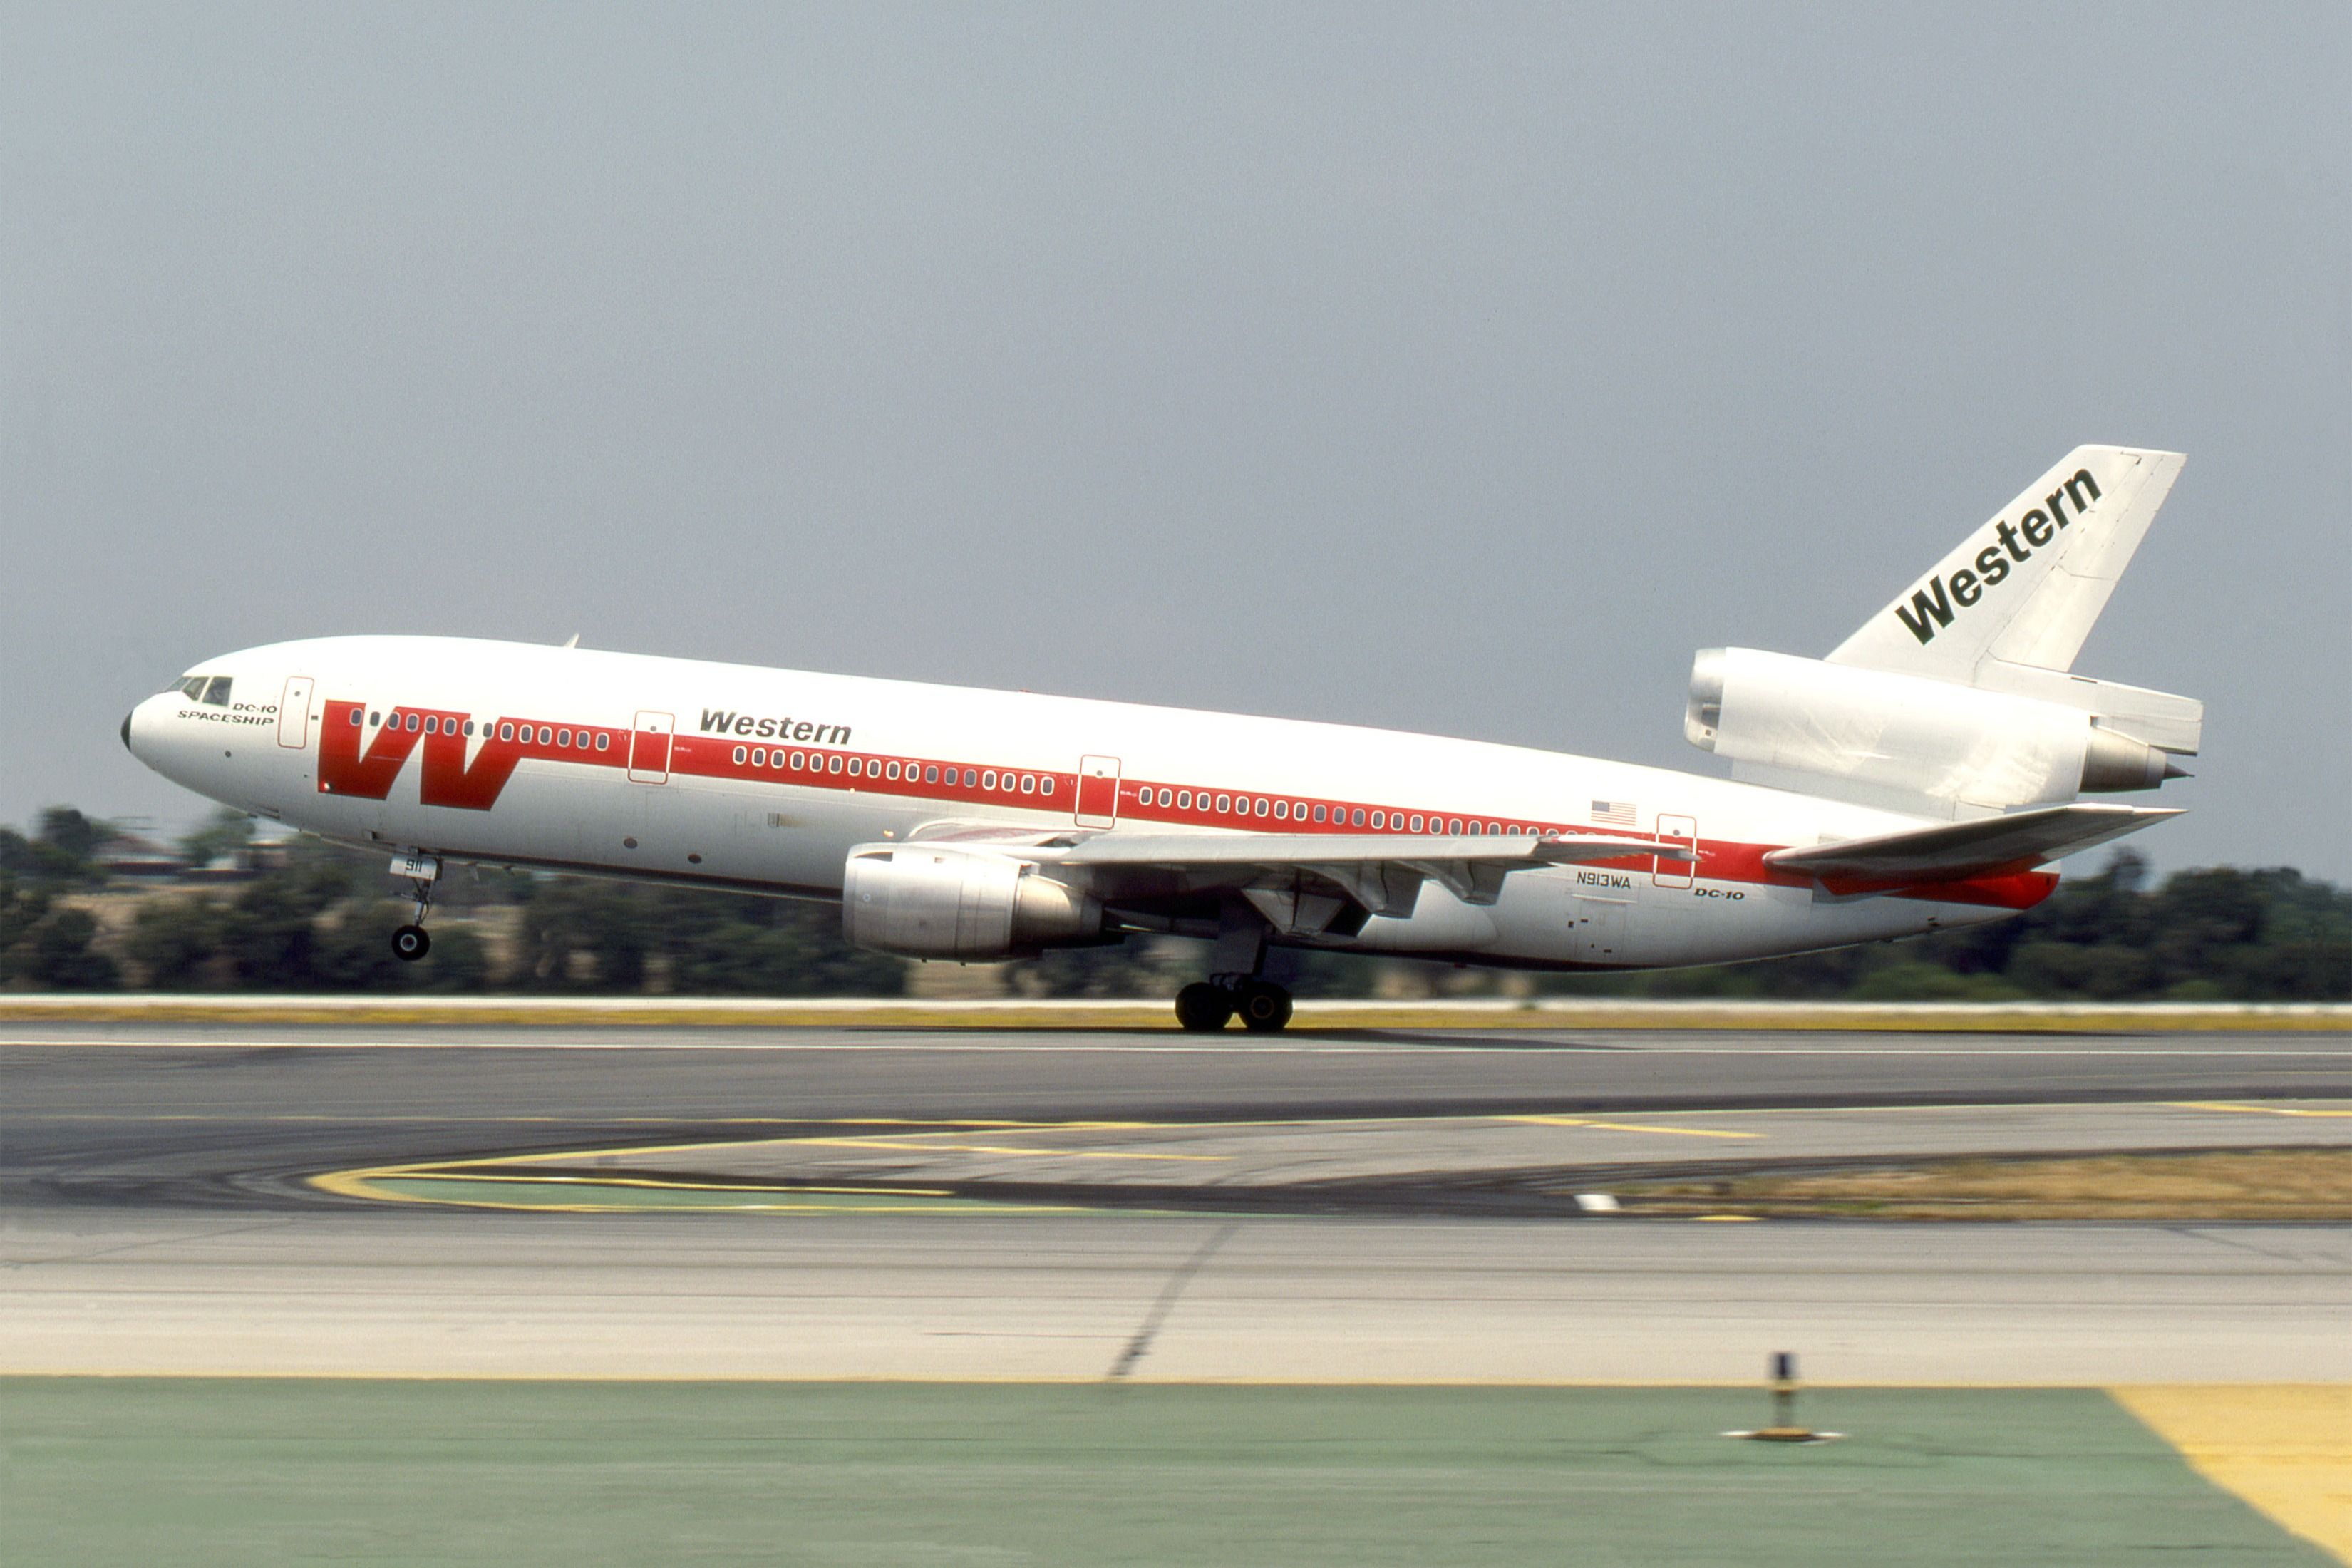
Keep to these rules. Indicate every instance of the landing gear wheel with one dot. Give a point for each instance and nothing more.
(409, 944)
(1203, 1008)
(1263, 1007)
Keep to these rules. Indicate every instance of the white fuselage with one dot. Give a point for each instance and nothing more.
(761, 780)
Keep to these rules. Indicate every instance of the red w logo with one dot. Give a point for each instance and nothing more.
(358, 760)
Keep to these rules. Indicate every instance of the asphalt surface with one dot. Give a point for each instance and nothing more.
(184, 1115)
(156, 1214)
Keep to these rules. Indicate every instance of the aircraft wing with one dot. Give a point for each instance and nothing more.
(1380, 871)
(1949, 852)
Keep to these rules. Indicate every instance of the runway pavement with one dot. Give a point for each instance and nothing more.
(186, 1114)
(158, 1210)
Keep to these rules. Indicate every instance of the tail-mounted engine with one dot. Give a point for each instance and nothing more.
(1799, 721)
(926, 901)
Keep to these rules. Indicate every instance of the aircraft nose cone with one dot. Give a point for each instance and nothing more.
(126, 732)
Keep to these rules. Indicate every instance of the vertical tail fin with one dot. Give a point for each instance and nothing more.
(2025, 588)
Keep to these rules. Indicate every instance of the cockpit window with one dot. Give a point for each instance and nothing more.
(189, 684)
(216, 691)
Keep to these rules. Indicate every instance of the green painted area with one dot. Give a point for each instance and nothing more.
(591, 1193)
(199, 1472)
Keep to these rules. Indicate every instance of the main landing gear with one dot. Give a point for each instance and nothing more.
(1207, 1005)
(1236, 986)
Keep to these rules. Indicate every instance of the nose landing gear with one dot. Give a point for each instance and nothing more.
(410, 943)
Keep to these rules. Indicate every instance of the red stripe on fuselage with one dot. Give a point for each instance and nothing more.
(362, 760)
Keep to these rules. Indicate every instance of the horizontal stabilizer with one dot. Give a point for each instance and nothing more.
(1955, 851)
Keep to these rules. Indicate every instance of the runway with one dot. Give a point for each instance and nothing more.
(163, 1212)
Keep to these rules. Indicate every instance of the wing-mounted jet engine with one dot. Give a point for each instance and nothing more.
(1957, 699)
(922, 899)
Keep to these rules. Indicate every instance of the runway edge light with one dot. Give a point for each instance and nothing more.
(1784, 1427)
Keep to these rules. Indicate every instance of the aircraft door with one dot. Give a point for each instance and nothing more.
(649, 742)
(294, 713)
(1684, 831)
(1097, 791)
(1602, 929)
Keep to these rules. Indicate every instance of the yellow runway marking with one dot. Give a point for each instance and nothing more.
(2285, 1449)
(657, 1186)
(1628, 1127)
(2250, 1109)
(909, 1146)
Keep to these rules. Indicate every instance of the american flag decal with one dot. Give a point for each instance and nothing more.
(1615, 813)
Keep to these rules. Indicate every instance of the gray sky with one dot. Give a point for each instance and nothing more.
(1453, 368)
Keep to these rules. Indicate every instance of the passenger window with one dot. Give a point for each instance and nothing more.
(506, 732)
(833, 763)
(1319, 814)
(856, 767)
(355, 718)
(411, 722)
(931, 774)
(1416, 825)
(1454, 824)
(431, 724)
(1358, 818)
(375, 718)
(739, 756)
(605, 742)
(988, 779)
(545, 734)
(1224, 803)
(1028, 784)
(799, 758)
(758, 756)
(1282, 809)
(563, 738)
(1044, 784)
(216, 691)
(468, 729)
(1261, 805)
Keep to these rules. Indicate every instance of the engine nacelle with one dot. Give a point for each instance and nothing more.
(1907, 734)
(943, 901)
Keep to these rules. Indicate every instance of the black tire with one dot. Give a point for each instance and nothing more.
(1203, 1008)
(1264, 1008)
(409, 944)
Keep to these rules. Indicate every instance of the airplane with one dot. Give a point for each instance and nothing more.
(1922, 777)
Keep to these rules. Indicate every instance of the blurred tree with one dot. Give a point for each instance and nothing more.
(322, 920)
(224, 833)
(57, 954)
(173, 943)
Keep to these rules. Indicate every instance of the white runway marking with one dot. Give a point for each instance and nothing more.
(1254, 1048)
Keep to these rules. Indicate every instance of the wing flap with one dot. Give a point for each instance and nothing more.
(1949, 852)
(1123, 848)
(1382, 872)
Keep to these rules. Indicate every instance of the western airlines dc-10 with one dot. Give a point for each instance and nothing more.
(1921, 777)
